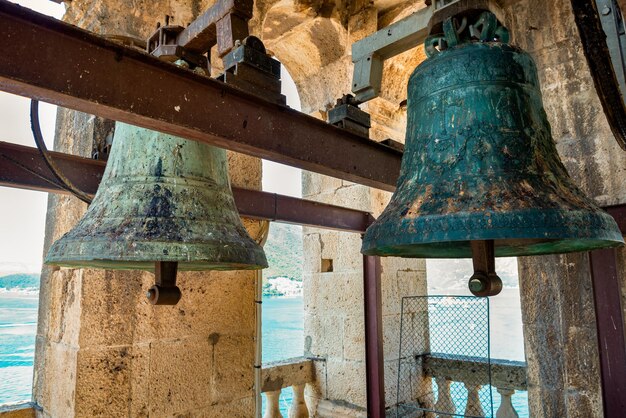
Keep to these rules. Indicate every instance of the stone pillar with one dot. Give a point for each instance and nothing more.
(556, 292)
(316, 52)
(102, 350)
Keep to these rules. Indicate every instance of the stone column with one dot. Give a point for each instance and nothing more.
(102, 350)
(556, 292)
(316, 51)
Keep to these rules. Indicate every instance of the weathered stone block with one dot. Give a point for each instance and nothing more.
(354, 338)
(57, 363)
(312, 251)
(64, 307)
(391, 336)
(318, 341)
(113, 382)
(545, 366)
(314, 184)
(240, 408)
(336, 293)
(582, 360)
(172, 366)
(584, 404)
(346, 381)
(349, 258)
(232, 363)
(329, 241)
(132, 319)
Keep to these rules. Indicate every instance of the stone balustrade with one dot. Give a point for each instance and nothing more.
(21, 410)
(294, 372)
(506, 377)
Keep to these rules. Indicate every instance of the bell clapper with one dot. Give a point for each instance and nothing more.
(484, 281)
(164, 291)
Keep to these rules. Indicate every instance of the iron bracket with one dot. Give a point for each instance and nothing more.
(164, 291)
(223, 25)
(347, 115)
(369, 53)
(249, 67)
(484, 282)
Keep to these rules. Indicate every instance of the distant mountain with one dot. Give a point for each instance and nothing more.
(7, 268)
(447, 274)
(20, 281)
(284, 251)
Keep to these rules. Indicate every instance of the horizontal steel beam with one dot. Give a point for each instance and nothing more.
(22, 167)
(52, 61)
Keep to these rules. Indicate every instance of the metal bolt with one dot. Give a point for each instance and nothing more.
(476, 285)
(606, 11)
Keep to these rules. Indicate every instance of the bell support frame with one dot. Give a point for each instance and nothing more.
(371, 164)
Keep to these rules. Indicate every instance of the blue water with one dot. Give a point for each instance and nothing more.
(283, 335)
(18, 325)
(283, 328)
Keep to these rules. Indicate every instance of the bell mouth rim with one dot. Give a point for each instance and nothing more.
(532, 233)
(462, 249)
(120, 255)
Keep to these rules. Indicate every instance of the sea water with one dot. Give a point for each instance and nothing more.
(18, 326)
(283, 335)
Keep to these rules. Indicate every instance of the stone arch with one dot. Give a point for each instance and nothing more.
(313, 48)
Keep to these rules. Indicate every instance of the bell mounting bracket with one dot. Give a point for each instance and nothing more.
(369, 53)
(164, 291)
(222, 24)
(484, 281)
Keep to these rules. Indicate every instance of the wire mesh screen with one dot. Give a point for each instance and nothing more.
(444, 367)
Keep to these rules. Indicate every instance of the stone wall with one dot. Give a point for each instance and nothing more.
(556, 291)
(102, 350)
(316, 51)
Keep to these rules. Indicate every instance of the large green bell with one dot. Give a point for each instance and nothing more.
(480, 164)
(162, 199)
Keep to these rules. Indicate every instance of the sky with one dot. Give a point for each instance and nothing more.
(23, 212)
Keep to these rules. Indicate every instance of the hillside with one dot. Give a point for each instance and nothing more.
(19, 281)
(284, 251)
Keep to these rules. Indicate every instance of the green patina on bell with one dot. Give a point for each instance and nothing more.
(480, 164)
(162, 199)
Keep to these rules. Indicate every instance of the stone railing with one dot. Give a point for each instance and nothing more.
(22, 410)
(294, 372)
(506, 377)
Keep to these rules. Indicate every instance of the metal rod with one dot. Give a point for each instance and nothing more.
(110, 80)
(19, 163)
(258, 343)
(610, 328)
(374, 360)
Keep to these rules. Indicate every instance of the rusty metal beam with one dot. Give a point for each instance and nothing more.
(609, 321)
(49, 60)
(610, 327)
(374, 354)
(22, 167)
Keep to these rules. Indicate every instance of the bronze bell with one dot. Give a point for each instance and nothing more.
(481, 176)
(164, 204)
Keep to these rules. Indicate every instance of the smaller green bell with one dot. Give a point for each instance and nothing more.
(164, 203)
